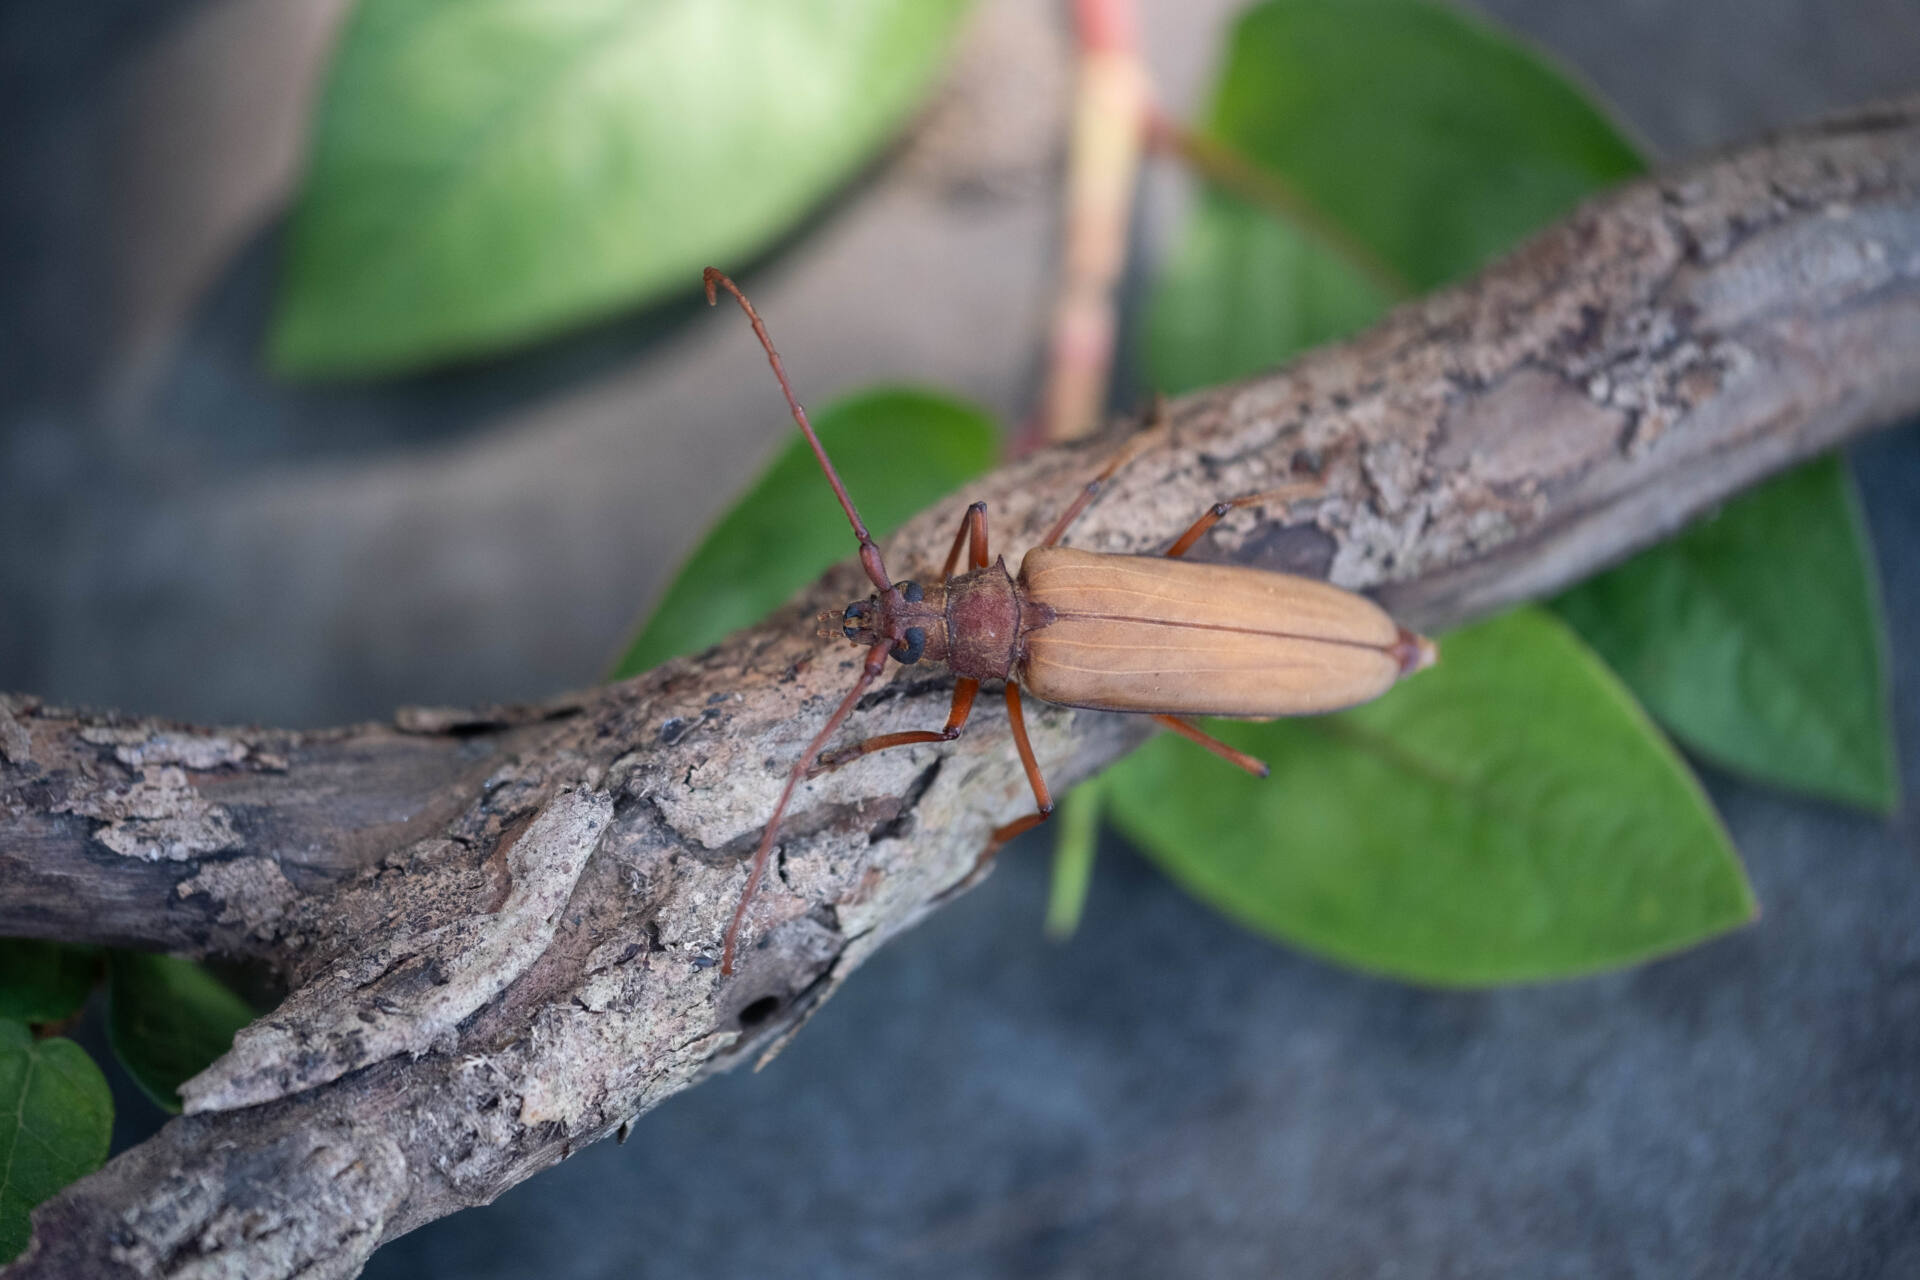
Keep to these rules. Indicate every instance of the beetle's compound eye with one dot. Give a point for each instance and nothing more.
(908, 651)
(912, 592)
(854, 617)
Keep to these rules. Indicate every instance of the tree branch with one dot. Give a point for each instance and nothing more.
(500, 929)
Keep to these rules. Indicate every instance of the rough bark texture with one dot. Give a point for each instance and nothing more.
(500, 928)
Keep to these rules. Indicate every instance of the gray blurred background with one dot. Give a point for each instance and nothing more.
(1165, 1095)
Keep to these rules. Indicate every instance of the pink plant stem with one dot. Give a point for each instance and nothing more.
(1110, 105)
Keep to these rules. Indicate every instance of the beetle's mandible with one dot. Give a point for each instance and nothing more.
(1154, 635)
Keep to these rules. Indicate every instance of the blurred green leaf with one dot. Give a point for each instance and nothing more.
(897, 449)
(45, 981)
(1756, 636)
(485, 172)
(1509, 815)
(1430, 137)
(56, 1117)
(167, 1020)
(1076, 838)
(1242, 292)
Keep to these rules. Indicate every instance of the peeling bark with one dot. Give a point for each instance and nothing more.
(501, 927)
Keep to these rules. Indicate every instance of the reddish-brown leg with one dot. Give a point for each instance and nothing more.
(963, 691)
(1041, 796)
(973, 531)
(1285, 493)
(1193, 733)
(1126, 454)
(875, 664)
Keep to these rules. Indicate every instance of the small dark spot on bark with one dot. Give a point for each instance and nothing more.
(1303, 549)
(759, 1011)
(896, 826)
(903, 689)
(672, 729)
(1591, 318)
(704, 962)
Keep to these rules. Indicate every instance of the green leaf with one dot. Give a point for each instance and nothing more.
(1242, 292)
(167, 1020)
(1756, 636)
(45, 981)
(56, 1117)
(1510, 815)
(898, 449)
(1075, 840)
(485, 172)
(1430, 137)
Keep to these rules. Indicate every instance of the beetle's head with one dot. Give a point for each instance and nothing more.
(863, 622)
(867, 622)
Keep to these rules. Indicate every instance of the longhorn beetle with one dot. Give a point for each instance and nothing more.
(1160, 636)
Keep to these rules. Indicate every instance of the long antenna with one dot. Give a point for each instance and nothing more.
(869, 553)
(875, 664)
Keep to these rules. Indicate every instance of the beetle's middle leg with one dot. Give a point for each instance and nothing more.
(963, 690)
(1126, 454)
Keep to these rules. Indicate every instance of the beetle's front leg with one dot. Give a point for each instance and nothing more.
(973, 530)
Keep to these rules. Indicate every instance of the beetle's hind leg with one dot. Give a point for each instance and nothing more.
(1298, 491)
(1233, 756)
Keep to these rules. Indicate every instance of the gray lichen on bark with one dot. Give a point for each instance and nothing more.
(500, 927)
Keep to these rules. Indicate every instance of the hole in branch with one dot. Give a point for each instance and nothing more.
(759, 1011)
